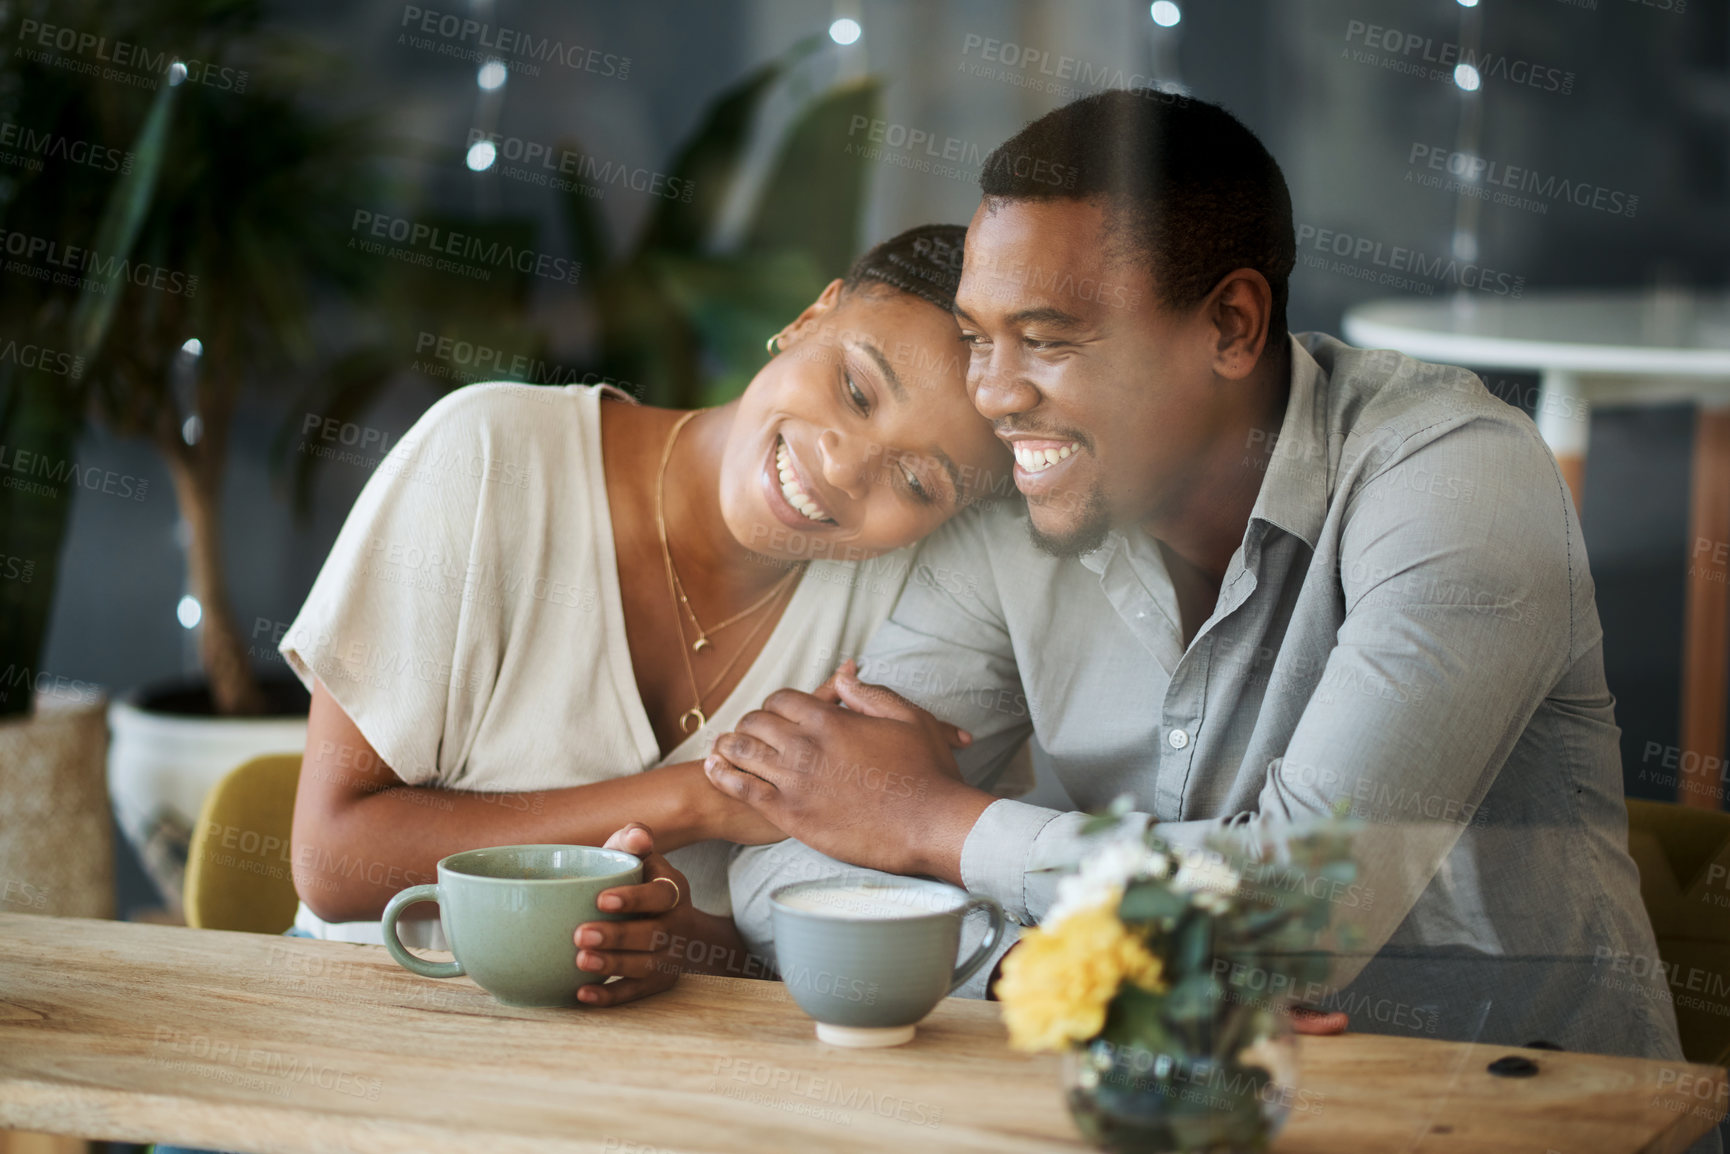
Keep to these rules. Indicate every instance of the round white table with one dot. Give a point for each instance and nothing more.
(1600, 349)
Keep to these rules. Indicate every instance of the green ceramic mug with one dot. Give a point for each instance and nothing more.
(510, 914)
(869, 959)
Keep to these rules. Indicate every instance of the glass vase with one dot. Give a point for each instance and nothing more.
(1137, 1101)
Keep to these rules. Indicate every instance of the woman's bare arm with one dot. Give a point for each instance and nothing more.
(361, 834)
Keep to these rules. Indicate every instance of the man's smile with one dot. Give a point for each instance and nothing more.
(1040, 458)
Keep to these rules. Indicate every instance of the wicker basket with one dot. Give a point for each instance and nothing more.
(56, 836)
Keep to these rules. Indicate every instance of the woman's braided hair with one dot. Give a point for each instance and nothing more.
(924, 261)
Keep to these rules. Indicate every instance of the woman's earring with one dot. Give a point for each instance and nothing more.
(772, 340)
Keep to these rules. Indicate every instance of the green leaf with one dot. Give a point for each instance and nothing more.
(36, 418)
(733, 302)
(1109, 818)
(1193, 943)
(121, 221)
(815, 192)
(1150, 901)
(1344, 872)
(709, 161)
(1135, 1020)
(1260, 923)
(1194, 999)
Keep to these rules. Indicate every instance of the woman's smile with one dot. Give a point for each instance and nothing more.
(792, 497)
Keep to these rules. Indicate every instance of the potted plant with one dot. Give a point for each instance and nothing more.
(201, 276)
(58, 172)
(1163, 974)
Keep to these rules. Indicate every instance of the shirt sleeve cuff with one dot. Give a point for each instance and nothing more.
(997, 853)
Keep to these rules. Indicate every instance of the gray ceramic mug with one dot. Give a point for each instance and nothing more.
(869, 959)
(510, 914)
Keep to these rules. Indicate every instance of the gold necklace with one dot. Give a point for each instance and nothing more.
(702, 641)
(676, 591)
(699, 719)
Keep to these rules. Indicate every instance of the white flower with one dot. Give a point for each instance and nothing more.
(1103, 876)
(1280, 1061)
(1206, 876)
(1075, 894)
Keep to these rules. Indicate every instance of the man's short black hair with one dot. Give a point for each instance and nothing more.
(1193, 190)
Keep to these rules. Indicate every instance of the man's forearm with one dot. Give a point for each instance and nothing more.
(934, 848)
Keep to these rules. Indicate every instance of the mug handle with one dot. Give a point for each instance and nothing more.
(400, 952)
(992, 937)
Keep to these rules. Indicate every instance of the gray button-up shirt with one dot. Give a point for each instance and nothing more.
(1407, 631)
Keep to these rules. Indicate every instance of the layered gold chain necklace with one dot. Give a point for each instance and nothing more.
(694, 718)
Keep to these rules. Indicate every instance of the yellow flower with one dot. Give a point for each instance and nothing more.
(1057, 983)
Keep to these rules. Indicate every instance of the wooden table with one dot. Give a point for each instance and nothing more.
(255, 1043)
(1597, 350)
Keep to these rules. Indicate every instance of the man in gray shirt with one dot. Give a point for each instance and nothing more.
(1251, 577)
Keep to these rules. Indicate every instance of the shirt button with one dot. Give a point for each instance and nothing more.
(1178, 738)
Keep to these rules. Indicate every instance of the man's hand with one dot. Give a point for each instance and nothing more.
(1318, 1022)
(856, 771)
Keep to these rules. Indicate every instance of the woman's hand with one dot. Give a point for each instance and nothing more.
(869, 778)
(642, 952)
(712, 815)
(738, 823)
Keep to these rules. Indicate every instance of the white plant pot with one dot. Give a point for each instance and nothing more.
(161, 766)
(56, 843)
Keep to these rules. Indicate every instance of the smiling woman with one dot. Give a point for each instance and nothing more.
(851, 439)
(574, 640)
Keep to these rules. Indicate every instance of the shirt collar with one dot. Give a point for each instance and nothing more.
(1098, 559)
(1294, 493)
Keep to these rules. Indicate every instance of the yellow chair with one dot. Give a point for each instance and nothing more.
(238, 868)
(1684, 859)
